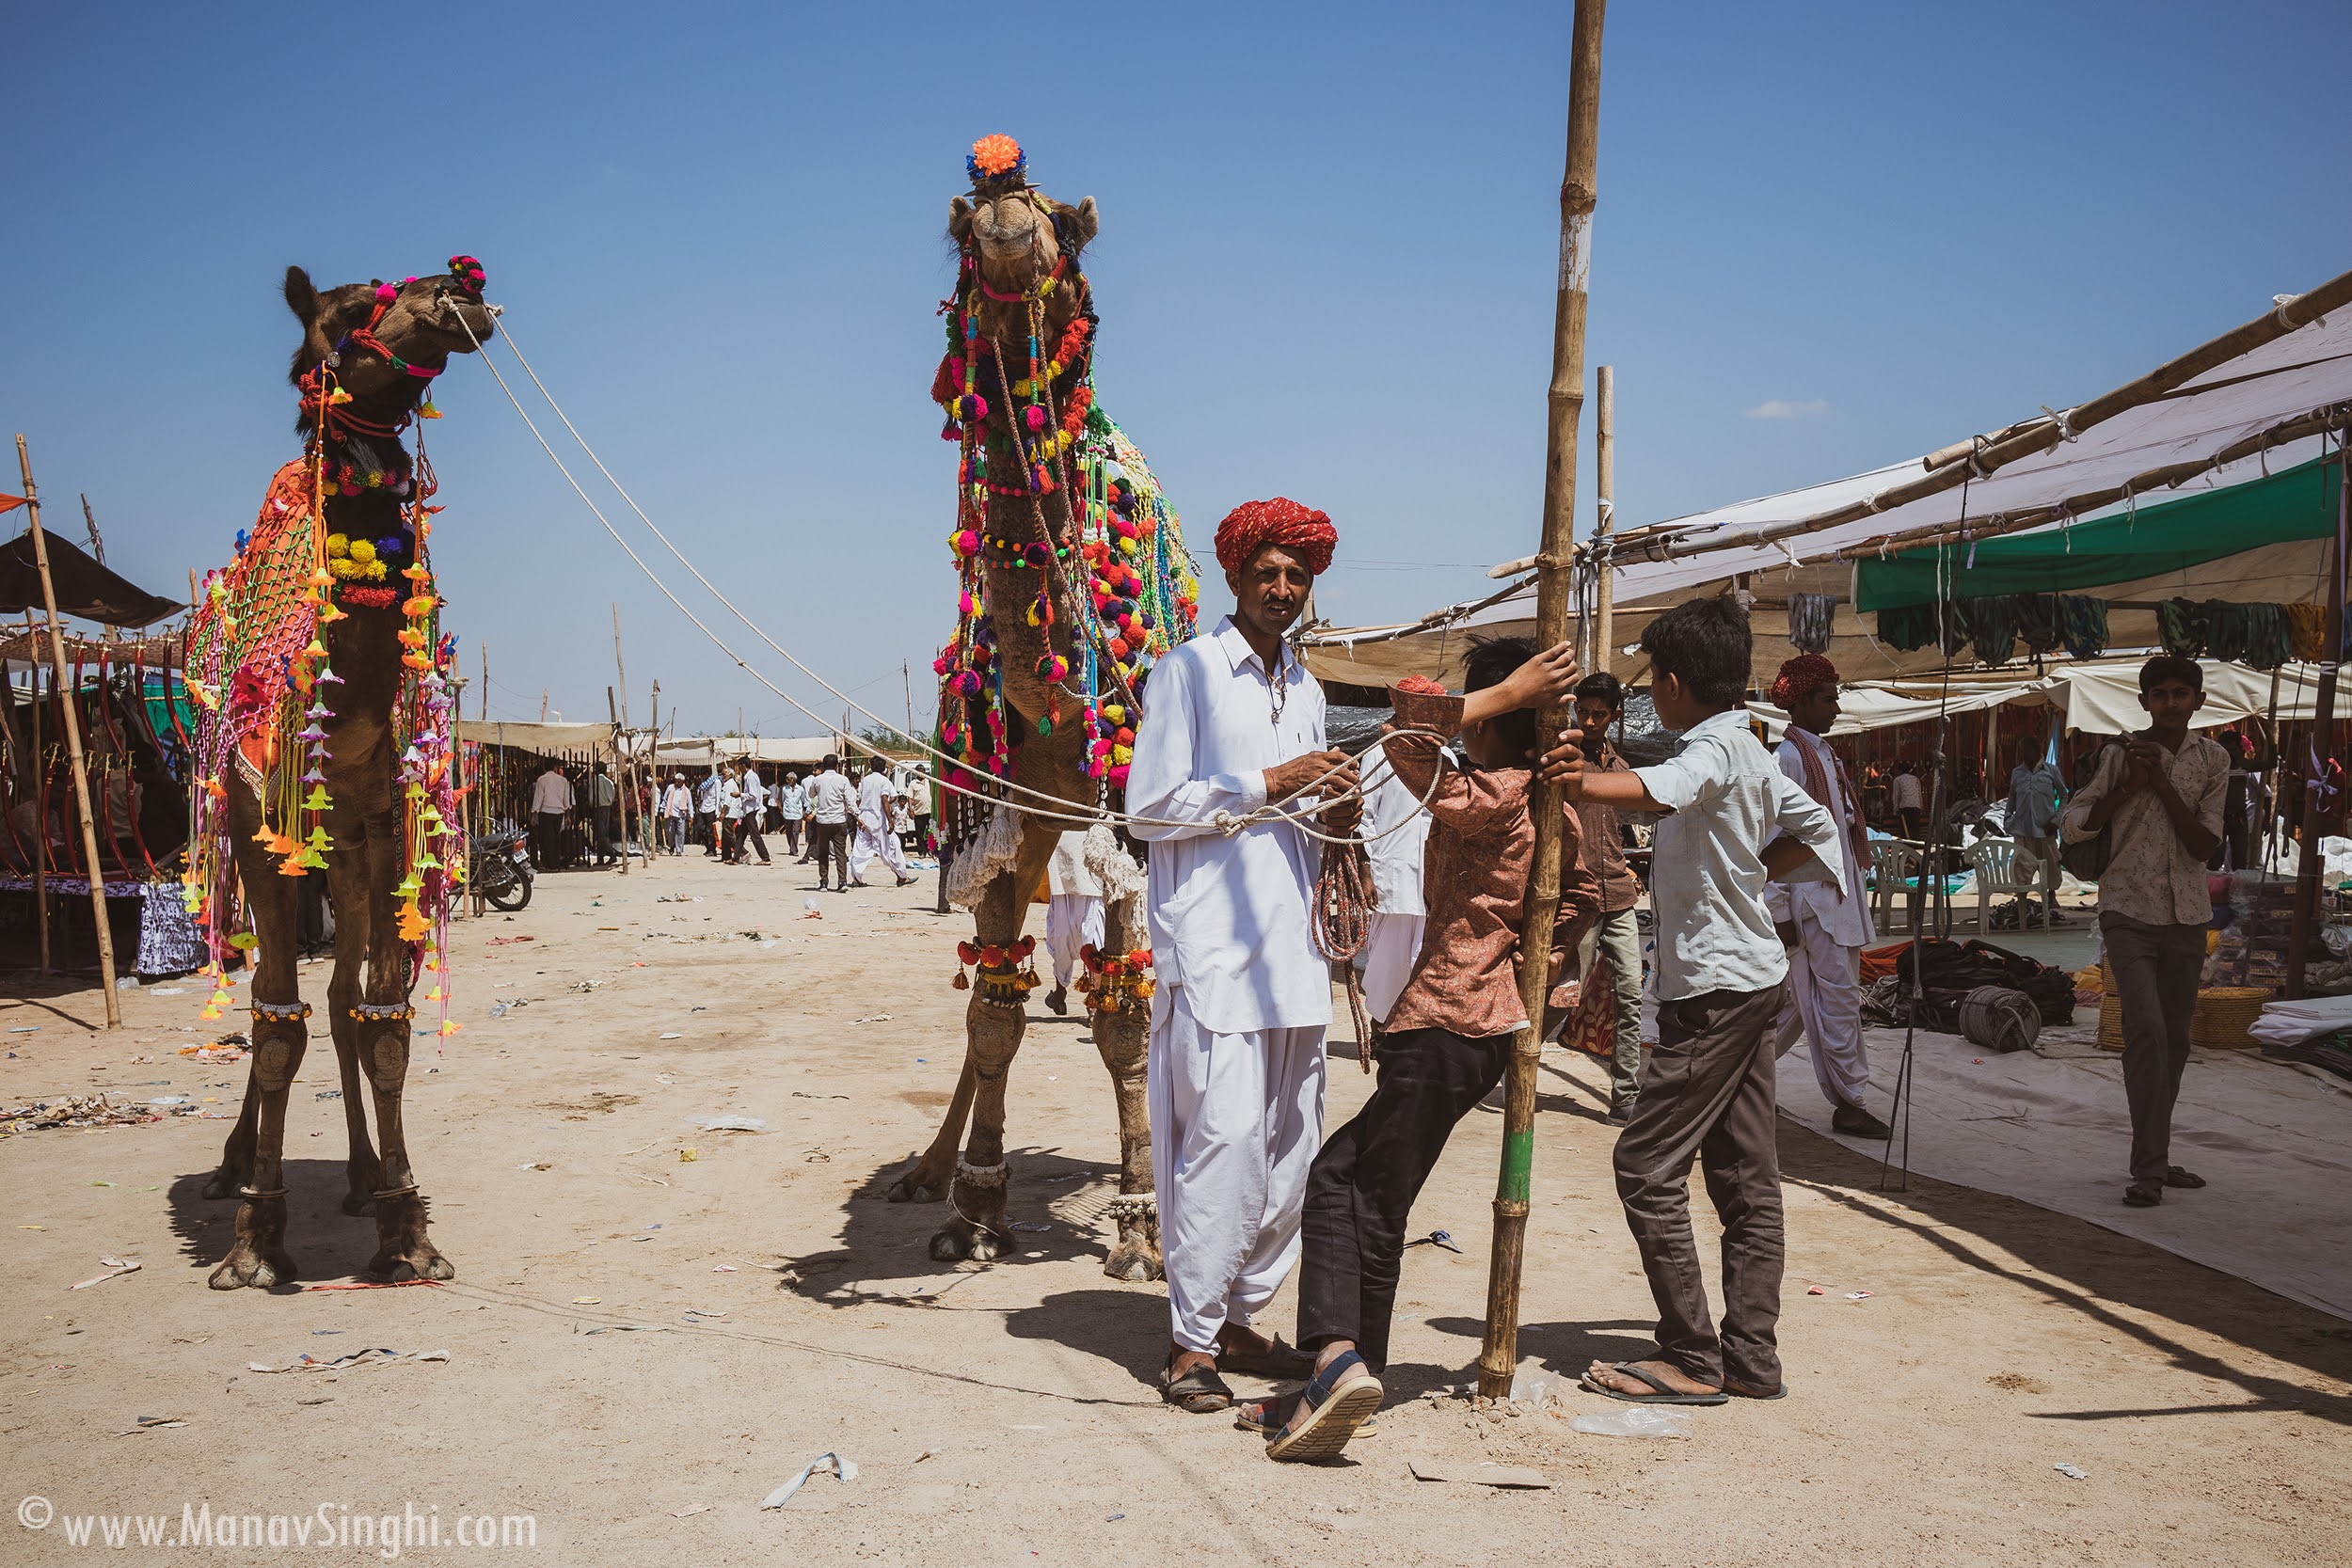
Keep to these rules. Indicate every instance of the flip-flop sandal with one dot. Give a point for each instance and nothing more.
(1334, 1403)
(2143, 1195)
(2185, 1180)
(1662, 1394)
(1278, 1360)
(1264, 1418)
(1739, 1393)
(1199, 1392)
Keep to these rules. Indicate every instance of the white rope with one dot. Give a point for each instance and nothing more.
(1228, 823)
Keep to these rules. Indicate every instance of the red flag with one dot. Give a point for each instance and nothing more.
(10, 504)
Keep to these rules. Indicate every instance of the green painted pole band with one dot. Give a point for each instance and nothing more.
(1519, 1165)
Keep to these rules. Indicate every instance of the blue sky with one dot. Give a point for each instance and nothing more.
(1328, 236)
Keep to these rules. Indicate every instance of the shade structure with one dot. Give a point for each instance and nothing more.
(85, 589)
(2101, 698)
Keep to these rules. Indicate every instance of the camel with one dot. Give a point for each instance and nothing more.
(327, 617)
(1066, 659)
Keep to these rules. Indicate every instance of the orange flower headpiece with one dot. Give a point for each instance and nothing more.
(996, 161)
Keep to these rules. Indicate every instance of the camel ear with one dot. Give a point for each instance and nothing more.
(1085, 223)
(959, 220)
(302, 297)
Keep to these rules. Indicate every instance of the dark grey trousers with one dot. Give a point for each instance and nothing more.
(2157, 970)
(1709, 1093)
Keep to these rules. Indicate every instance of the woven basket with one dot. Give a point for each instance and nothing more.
(2224, 1018)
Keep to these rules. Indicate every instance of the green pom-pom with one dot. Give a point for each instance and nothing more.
(1045, 726)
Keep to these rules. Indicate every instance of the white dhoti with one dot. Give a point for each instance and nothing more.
(1825, 1005)
(1389, 951)
(1071, 921)
(1235, 1123)
(874, 841)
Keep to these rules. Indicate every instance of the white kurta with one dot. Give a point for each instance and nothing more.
(1833, 927)
(1074, 906)
(1398, 829)
(874, 840)
(1235, 1067)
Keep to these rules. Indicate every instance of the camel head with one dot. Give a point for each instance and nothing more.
(1014, 233)
(386, 342)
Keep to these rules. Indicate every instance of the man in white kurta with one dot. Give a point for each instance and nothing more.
(1073, 912)
(1233, 721)
(1824, 927)
(875, 841)
(1398, 829)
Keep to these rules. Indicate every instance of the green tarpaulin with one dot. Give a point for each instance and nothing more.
(2293, 504)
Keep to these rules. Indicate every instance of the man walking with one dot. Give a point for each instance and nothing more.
(832, 802)
(791, 810)
(875, 839)
(747, 836)
(2031, 818)
(2158, 794)
(602, 795)
(678, 814)
(706, 807)
(1236, 1069)
(1910, 807)
(550, 804)
(1824, 929)
(1616, 935)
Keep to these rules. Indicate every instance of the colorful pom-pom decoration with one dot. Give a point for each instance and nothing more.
(997, 158)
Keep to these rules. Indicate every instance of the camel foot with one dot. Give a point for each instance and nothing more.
(257, 1257)
(1135, 1259)
(964, 1242)
(224, 1182)
(403, 1251)
(923, 1184)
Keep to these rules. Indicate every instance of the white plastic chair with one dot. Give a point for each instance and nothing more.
(2002, 872)
(1892, 862)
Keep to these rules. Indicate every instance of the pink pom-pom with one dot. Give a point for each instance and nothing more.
(386, 293)
(1036, 416)
(1119, 776)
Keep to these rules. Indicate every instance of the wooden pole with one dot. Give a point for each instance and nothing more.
(482, 709)
(1604, 516)
(97, 544)
(653, 755)
(1498, 1356)
(2323, 734)
(620, 788)
(628, 770)
(72, 745)
(41, 806)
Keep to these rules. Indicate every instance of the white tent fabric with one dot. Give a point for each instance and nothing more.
(704, 750)
(2099, 698)
(537, 738)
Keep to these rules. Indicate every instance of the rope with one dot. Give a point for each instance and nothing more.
(1055, 807)
(1343, 923)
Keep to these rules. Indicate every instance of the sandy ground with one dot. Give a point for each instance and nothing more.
(1005, 1413)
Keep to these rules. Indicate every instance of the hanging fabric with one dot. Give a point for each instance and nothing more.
(1992, 619)
(1907, 629)
(2038, 621)
(1811, 619)
(2307, 631)
(2082, 625)
(2182, 626)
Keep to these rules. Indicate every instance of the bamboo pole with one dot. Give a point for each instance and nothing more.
(464, 792)
(1498, 1355)
(72, 745)
(483, 708)
(40, 786)
(1604, 517)
(620, 789)
(2323, 736)
(627, 783)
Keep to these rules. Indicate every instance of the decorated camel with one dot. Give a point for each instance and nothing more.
(325, 743)
(1073, 577)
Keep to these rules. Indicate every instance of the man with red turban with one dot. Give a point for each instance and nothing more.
(1824, 927)
(1234, 724)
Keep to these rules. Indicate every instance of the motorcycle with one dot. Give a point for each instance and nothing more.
(498, 867)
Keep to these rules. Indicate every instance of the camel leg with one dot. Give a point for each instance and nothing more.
(1123, 1038)
(926, 1180)
(402, 1250)
(236, 1156)
(258, 1256)
(976, 1228)
(362, 1173)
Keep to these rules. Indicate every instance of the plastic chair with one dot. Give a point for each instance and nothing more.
(1892, 862)
(2002, 872)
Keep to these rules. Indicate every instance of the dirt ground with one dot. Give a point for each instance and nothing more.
(1006, 1415)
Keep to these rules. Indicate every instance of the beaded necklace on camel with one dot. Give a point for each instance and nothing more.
(259, 672)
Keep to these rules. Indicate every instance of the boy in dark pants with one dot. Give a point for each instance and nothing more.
(1446, 1039)
(1721, 974)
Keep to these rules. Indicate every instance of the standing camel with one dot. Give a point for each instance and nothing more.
(1073, 575)
(318, 661)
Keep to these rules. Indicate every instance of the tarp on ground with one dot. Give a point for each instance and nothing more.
(85, 589)
(2296, 504)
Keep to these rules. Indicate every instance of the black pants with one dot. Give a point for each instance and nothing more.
(2157, 970)
(748, 838)
(1709, 1093)
(546, 839)
(829, 840)
(1362, 1187)
(608, 842)
(792, 836)
(707, 828)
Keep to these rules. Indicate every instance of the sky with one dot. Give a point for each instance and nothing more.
(1829, 237)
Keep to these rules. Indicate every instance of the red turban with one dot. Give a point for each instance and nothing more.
(1800, 675)
(1253, 525)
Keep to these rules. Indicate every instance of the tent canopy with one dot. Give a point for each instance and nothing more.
(2101, 698)
(2293, 505)
(85, 589)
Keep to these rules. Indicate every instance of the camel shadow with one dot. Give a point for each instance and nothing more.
(2130, 1288)
(1058, 1213)
(1124, 1326)
(326, 1242)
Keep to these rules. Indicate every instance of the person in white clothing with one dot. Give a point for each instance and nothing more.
(1073, 912)
(874, 838)
(832, 802)
(678, 814)
(1398, 829)
(750, 817)
(1233, 722)
(1824, 927)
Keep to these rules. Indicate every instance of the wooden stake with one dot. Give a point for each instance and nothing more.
(2322, 737)
(620, 791)
(1498, 1356)
(1604, 517)
(72, 745)
(482, 709)
(41, 806)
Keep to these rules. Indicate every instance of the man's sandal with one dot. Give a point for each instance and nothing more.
(1264, 1418)
(1660, 1392)
(1197, 1392)
(1336, 1401)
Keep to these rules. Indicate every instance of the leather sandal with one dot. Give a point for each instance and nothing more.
(1197, 1392)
